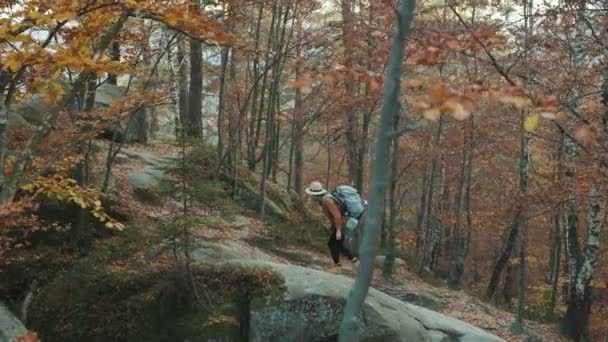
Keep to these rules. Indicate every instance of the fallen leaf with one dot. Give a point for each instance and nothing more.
(531, 122)
(303, 82)
(583, 134)
(548, 115)
(432, 114)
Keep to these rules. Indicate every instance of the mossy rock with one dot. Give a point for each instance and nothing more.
(94, 303)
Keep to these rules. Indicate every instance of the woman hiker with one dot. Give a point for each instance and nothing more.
(334, 212)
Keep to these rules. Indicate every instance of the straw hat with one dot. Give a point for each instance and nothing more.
(315, 189)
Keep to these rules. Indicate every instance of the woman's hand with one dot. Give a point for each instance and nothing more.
(338, 235)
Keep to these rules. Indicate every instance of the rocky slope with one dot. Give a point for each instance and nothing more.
(131, 293)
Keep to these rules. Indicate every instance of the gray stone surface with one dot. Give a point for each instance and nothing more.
(313, 298)
(147, 158)
(10, 326)
(381, 258)
(210, 252)
(146, 184)
(438, 336)
(16, 121)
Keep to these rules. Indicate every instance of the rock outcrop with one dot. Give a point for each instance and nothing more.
(314, 301)
(10, 326)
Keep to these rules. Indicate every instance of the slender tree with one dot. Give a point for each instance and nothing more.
(349, 325)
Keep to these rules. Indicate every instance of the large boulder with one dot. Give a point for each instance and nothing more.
(34, 110)
(312, 306)
(146, 184)
(10, 326)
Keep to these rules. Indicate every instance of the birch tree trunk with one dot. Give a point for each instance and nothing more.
(575, 323)
(349, 325)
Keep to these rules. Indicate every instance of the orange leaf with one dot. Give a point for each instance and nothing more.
(329, 79)
(373, 85)
(467, 102)
(303, 82)
(583, 134)
(438, 93)
(452, 44)
(29, 336)
(456, 109)
(413, 83)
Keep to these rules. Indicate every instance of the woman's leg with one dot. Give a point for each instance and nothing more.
(334, 247)
(344, 250)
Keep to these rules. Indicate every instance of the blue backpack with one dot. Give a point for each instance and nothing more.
(352, 204)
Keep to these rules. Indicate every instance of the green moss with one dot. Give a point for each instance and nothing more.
(95, 303)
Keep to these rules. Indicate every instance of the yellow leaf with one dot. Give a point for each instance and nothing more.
(171, 18)
(432, 114)
(531, 123)
(12, 62)
(65, 16)
(516, 100)
(109, 225)
(98, 203)
(28, 187)
(34, 15)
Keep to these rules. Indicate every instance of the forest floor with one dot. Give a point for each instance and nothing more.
(291, 244)
(255, 233)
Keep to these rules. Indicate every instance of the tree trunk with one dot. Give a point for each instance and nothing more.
(195, 94)
(270, 124)
(421, 211)
(255, 122)
(298, 118)
(182, 95)
(329, 155)
(114, 56)
(348, 24)
(503, 259)
(349, 326)
(575, 322)
(457, 239)
(524, 161)
(389, 242)
(221, 107)
(437, 229)
(556, 237)
(81, 235)
(430, 218)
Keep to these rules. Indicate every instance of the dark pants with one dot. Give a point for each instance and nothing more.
(337, 246)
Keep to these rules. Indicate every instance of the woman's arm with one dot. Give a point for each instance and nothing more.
(331, 210)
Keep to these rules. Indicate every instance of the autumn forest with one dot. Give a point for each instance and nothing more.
(139, 138)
